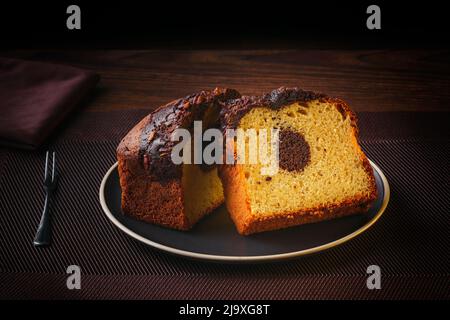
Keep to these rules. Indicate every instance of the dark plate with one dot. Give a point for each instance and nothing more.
(215, 237)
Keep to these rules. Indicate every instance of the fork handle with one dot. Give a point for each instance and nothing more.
(44, 231)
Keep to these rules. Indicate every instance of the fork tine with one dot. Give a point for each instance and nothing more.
(46, 166)
(53, 166)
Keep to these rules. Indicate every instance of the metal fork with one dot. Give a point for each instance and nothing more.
(43, 233)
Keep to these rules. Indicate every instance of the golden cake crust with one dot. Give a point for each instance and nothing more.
(150, 182)
(233, 179)
(238, 205)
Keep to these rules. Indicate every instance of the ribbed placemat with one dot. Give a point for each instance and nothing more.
(410, 242)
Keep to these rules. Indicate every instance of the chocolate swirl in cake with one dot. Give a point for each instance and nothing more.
(277, 99)
(294, 151)
(155, 143)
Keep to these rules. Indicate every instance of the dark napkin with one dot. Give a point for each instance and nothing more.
(35, 97)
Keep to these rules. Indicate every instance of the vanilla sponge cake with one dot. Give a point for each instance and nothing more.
(323, 173)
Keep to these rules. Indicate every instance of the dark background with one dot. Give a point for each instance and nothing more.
(224, 24)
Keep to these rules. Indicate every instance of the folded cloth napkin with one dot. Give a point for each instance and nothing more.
(35, 97)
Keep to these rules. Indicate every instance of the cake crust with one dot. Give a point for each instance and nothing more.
(238, 205)
(155, 144)
(277, 99)
(151, 183)
(233, 179)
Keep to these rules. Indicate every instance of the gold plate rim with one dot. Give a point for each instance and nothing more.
(263, 258)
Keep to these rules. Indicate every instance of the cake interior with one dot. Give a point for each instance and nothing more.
(333, 173)
(202, 187)
(202, 190)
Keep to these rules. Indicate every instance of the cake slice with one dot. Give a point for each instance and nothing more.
(154, 188)
(323, 173)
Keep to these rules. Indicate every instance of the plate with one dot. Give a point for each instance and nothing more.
(215, 238)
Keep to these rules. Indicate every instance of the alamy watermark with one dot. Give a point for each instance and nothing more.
(239, 146)
(74, 20)
(73, 281)
(374, 279)
(374, 20)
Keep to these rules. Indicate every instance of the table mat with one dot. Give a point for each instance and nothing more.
(410, 242)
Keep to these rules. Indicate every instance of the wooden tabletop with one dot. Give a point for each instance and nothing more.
(369, 80)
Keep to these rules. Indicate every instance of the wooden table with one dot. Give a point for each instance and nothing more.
(410, 242)
(369, 80)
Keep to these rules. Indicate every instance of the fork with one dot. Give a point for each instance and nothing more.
(43, 233)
